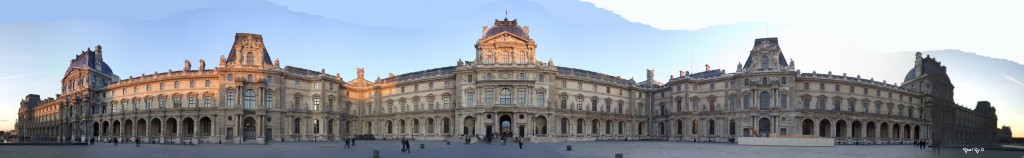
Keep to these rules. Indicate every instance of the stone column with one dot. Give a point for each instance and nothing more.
(814, 127)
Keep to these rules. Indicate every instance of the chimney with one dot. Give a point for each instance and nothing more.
(707, 67)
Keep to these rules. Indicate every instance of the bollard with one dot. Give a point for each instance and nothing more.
(421, 146)
(376, 153)
(568, 148)
(618, 155)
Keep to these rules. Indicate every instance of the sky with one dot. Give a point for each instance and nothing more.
(874, 39)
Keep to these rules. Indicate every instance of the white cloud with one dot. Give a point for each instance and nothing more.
(986, 26)
(1013, 79)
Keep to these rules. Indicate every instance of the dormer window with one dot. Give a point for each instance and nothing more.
(249, 58)
(764, 62)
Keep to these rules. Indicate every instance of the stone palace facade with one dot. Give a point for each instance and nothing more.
(249, 98)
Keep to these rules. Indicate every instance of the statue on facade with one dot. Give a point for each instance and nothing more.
(359, 72)
(222, 60)
(202, 65)
(188, 66)
(277, 63)
(650, 74)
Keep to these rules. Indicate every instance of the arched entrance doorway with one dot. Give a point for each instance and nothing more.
(808, 127)
(95, 129)
(764, 126)
(542, 126)
(505, 125)
(249, 128)
(469, 126)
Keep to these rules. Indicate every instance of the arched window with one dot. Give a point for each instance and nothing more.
(764, 100)
(250, 99)
(565, 123)
(506, 96)
(249, 58)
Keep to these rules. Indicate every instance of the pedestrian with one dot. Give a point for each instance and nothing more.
(353, 141)
(502, 141)
(137, 142)
(346, 144)
(520, 143)
(115, 142)
(403, 142)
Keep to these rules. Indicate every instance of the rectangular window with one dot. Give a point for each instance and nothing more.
(191, 84)
(162, 102)
(447, 102)
(852, 89)
(207, 83)
(807, 103)
(540, 99)
(269, 101)
(821, 103)
(192, 101)
(177, 102)
(469, 99)
(865, 106)
(231, 99)
(837, 87)
(522, 96)
(853, 104)
(836, 104)
(712, 86)
(316, 103)
(206, 101)
(489, 97)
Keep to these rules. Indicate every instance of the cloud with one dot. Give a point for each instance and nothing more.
(873, 26)
(1013, 79)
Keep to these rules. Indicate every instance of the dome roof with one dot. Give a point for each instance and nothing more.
(506, 26)
(88, 60)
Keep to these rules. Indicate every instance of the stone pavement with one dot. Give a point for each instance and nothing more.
(439, 149)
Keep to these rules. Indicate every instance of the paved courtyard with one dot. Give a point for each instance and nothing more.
(439, 149)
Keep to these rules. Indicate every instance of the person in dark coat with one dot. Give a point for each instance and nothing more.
(520, 143)
(347, 143)
(137, 142)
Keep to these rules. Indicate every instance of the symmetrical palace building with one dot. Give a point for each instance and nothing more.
(249, 98)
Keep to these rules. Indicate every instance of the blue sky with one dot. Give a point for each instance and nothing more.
(38, 38)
